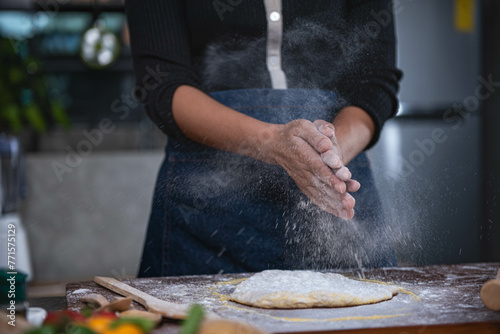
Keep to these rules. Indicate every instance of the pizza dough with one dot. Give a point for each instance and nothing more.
(305, 289)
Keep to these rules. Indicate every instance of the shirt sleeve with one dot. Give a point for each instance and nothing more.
(374, 83)
(161, 55)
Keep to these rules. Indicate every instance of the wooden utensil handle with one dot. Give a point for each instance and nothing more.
(153, 304)
(123, 289)
(95, 298)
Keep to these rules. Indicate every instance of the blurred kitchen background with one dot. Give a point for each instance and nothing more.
(81, 191)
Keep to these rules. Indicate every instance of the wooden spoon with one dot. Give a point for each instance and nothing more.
(118, 305)
(96, 299)
(101, 301)
(155, 318)
(153, 304)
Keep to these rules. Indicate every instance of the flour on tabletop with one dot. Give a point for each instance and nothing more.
(79, 291)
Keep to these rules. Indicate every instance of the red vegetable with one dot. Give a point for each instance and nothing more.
(61, 318)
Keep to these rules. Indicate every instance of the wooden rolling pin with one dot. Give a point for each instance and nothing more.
(490, 293)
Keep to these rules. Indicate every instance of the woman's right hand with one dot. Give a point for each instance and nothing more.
(298, 147)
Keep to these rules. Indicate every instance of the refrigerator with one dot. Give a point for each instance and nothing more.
(428, 162)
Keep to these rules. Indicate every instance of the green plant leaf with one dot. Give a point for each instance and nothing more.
(192, 323)
(86, 311)
(16, 75)
(12, 115)
(78, 329)
(43, 330)
(35, 118)
(23, 84)
(59, 114)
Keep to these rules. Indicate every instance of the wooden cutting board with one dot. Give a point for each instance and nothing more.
(433, 299)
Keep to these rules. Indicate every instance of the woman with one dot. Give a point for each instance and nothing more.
(264, 104)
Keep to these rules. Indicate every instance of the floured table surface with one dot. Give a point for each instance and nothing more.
(433, 296)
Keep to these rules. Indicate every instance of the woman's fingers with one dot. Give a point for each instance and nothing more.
(338, 184)
(343, 174)
(314, 134)
(321, 136)
(329, 200)
(331, 159)
(316, 167)
(352, 186)
(310, 133)
(325, 128)
(348, 202)
(348, 214)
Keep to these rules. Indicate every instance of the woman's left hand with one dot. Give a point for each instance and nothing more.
(333, 158)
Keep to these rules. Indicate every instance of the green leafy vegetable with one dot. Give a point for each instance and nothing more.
(192, 323)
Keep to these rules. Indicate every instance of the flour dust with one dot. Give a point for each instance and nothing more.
(409, 215)
(318, 54)
(321, 241)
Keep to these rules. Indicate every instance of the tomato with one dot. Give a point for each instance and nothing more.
(62, 318)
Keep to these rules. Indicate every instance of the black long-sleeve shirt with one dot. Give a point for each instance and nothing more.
(347, 46)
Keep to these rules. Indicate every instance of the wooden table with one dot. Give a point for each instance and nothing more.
(50, 304)
(433, 299)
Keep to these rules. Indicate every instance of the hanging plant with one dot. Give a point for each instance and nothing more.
(24, 98)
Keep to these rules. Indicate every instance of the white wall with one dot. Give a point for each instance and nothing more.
(92, 222)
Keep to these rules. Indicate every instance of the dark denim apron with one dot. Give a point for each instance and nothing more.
(215, 211)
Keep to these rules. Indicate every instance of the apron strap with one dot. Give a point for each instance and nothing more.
(274, 37)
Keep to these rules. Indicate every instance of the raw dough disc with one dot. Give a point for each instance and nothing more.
(305, 289)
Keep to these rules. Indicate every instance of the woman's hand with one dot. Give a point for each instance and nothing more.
(297, 146)
(334, 157)
(300, 148)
